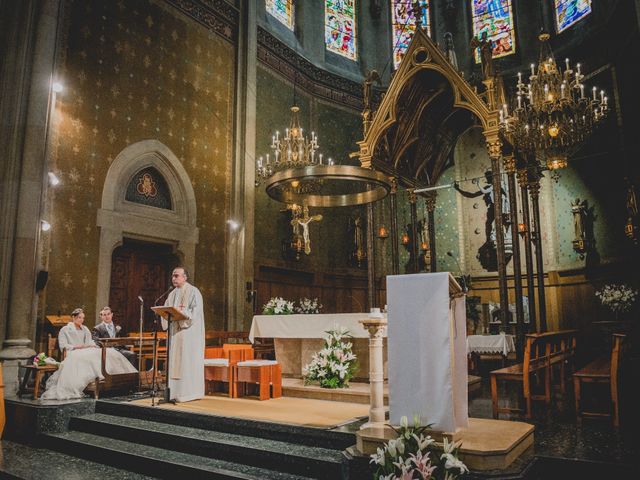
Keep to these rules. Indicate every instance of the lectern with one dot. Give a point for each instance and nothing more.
(170, 314)
(426, 337)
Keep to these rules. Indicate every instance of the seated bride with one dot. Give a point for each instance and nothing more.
(81, 361)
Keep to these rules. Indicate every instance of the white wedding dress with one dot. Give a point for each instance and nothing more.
(80, 368)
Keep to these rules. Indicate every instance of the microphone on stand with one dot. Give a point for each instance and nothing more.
(463, 277)
(155, 303)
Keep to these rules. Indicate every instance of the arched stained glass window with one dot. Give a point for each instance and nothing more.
(282, 10)
(569, 12)
(404, 25)
(340, 27)
(496, 18)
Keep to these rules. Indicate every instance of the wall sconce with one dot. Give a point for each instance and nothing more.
(233, 225)
(45, 226)
(53, 179)
(522, 229)
(383, 232)
(404, 239)
(57, 87)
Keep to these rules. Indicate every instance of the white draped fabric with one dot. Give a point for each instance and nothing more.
(80, 368)
(427, 352)
(502, 344)
(186, 356)
(306, 325)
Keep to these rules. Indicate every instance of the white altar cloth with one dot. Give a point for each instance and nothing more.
(427, 351)
(306, 325)
(502, 344)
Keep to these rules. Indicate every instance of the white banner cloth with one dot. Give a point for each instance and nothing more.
(306, 325)
(427, 351)
(502, 344)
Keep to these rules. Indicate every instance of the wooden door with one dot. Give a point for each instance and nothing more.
(138, 269)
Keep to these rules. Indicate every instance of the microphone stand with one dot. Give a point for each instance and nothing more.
(155, 351)
(140, 344)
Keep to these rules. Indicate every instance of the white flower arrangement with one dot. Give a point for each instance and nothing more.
(277, 306)
(617, 297)
(307, 305)
(335, 364)
(415, 455)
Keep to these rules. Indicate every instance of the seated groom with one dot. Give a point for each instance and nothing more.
(108, 329)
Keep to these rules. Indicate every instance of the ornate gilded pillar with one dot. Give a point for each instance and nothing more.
(494, 146)
(534, 191)
(510, 169)
(430, 200)
(395, 252)
(371, 265)
(414, 229)
(528, 253)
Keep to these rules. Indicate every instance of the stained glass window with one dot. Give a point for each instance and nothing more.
(340, 27)
(404, 25)
(496, 18)
(282, 10)
(569, 12)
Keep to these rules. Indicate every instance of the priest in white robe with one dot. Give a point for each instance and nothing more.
(186, 356)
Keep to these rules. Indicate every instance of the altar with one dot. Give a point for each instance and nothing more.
(297, 337)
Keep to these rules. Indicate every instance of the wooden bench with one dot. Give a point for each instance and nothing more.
(543, 352)
(535, 363)
(603, 370)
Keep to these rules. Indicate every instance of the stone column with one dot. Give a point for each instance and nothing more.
(534, 191)
(395, 252)
(510, 169)
(494, 146)
(430, 200)
(414, 229)
(528, 253)
(33, 102)
(376, 328)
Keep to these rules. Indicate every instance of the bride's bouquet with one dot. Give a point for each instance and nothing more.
(42, 359)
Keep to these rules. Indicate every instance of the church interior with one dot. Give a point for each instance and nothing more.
(399, 219)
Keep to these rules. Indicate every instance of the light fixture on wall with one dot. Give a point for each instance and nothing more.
(45, 226)
(383, 233)
(552, 113)
(233, 225)
(53, 179)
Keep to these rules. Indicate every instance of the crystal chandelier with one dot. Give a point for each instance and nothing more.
(553, 113)
(293, 150)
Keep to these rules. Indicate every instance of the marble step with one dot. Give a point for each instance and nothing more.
(314, 437)
(316, 462)
(158, 462)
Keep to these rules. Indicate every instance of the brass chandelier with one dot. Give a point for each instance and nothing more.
(298, 174)
(553, 112)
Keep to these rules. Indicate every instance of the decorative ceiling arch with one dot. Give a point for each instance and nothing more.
(427, 106)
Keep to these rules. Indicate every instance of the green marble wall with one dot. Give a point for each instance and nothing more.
(338, 131)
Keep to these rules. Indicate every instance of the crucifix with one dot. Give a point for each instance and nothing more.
(302, 219)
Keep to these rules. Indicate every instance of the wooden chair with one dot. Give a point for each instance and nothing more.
(535, 363)
(39, 374)
(52, 346)
(264, 348)
(604, 370)
(223, 370)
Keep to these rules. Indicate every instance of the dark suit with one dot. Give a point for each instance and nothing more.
(101, 331)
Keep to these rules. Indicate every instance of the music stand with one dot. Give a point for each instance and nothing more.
(170, 314)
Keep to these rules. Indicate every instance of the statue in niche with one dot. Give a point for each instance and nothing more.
(372, 76)
(449, 50)
(487, 252)
(579, 211)
(486, 54)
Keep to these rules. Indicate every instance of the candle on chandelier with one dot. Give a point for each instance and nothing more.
(320, 159)
(277, 136)
(519, 78)
(519, 101)
(259, 163)
(566, 61)
(501, 116)
(578, 69)
(581, 90)
(601, 96)
(533, 73)
(594, 93)
(267, 159)
(562, 89)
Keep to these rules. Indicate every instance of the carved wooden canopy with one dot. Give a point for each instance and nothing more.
(427, 107)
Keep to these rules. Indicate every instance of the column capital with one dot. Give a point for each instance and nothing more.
(494, 146)
(430, 200)
(509, 163)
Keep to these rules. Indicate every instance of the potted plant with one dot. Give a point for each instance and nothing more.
(335, 364)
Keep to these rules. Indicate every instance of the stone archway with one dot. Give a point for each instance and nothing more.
(119, 218)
